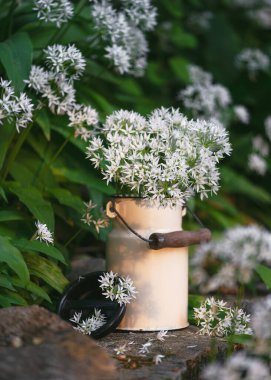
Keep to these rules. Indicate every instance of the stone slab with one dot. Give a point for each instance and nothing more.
(185, 353)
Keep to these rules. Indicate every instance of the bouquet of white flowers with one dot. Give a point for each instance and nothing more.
(163, 156)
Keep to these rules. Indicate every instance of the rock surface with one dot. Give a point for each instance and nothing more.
(36, 344)
(185, 352)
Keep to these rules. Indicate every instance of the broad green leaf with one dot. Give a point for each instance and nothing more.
(66, 198)
(13, 258)
(16, 57)
(47, 271)
(234, 183)
(37, 246)
(84, 177)
(44, 122)
(265, 273)
(7, 133)
(5, 282)
(101, 102)
(10, 215)
(33, 288)
(33, 200)
(3, 194)
(14, 298)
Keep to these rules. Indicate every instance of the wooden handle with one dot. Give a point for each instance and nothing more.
(179, 238)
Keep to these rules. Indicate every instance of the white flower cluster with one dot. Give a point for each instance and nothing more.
(240, 366)
(89, 217)
(202, 96)
(55, 11)
(257, 159)
(123, 32)
(164, 156)
(252, 60)
(43, 233)
(215, 318)
(87, 326)
(55, 85)
(261, 16)
(17, 109)
(117, 288)
(242, 114)
(235, 256)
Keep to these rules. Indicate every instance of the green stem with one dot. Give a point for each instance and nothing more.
(10, 17)
(15, 151)
(72, 238)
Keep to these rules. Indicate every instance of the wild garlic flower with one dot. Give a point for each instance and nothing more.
(122, 30)
(242, 114)
(145, 348)
(252, 60)
(257, 164)
(260, 145)
(90, 217)
(261, 319)
(43, 233)
(120, 350)
(55, 11)
(202, 96)
(161, 335)
(157, 359)
(261, 16)
(81, 118)
(65, 60)
(231, 260)
(267, 125)
(239, 366)
(215, 318)
(14, 109)
(118, 288)
(87, 326)
(164, 157)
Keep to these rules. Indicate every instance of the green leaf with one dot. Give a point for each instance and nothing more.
(37, 246)
(13, 258)
(3, 194)
(47, 271)
(33, 288)
(234, 183)
(84, 177)
(14, 298)
(5, 282)
(16, 57)
(44, 122)
(33, 200)
(7, 133)
(265, 273)
(10, 215)
(66, 198)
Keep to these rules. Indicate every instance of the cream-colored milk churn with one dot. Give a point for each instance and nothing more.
(158, 265)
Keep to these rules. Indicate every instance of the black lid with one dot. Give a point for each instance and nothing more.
(84, 295)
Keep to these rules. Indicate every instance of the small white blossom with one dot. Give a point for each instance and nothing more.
(202, 96)
(215, 318)
(87, 326)
(117, 288)
(241, 114)
(257, 163)
(161, 335)
(239, 366)
(66, 60)
(120, 58)
(55, 11)
(261, 319)
(260, 146)
(120, 350)
(157, 359)
(144, 349)
(43, 233)
(252, 60)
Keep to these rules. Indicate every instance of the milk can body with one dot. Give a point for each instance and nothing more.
(160, 276)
